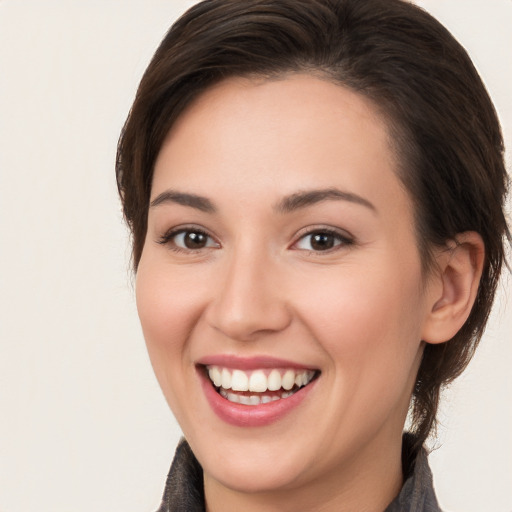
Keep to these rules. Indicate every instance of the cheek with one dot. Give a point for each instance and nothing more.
(368, 321)
(158, 309)
(168, 308)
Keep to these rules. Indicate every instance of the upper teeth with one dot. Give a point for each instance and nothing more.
(258, 380)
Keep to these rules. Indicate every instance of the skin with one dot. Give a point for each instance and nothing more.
(357, 312)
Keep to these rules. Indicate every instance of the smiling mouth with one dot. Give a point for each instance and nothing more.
(260, 386)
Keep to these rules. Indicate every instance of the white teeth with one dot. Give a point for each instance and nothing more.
(226, 378)
(288, 380)
(301, 379)
(215, 376)
(274, 380)
(239, 381)
(258, 382)
(253, 399)
(246, 400)
(233, 397)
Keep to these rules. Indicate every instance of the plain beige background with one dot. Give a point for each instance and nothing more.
(83, 425)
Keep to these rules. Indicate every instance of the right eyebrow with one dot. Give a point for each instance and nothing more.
(303, 199)
(185, 199)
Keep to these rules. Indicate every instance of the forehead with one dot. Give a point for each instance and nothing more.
(264, 105)
(250, 136)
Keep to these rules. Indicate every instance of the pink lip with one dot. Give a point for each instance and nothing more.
(249, 363)
(261, 415)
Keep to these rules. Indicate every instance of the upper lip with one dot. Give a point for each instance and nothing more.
(250, 363)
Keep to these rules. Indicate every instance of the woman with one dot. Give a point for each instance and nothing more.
(315, 191)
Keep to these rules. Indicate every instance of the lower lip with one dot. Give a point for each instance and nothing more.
(241, 415)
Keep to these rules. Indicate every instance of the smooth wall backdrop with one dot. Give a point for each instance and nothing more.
(83, 425)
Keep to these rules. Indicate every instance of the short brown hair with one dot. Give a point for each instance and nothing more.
(444, 127)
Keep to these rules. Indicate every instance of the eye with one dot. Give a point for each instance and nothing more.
(188, 240)
(322, 240)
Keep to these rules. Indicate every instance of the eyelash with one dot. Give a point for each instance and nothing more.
(341, 239)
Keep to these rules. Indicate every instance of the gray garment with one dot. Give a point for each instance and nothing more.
(184, 488)
(417, 494)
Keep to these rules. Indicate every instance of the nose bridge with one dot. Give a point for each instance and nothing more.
(249, 301)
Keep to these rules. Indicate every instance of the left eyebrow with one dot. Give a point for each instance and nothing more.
(307, 198)
(192, 200)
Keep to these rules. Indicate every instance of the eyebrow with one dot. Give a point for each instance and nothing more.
(307, 198)
(288, 204)
(185, 199)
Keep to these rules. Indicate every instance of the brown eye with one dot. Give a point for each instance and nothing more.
(322, 240)
(194, 240)
(188, 240)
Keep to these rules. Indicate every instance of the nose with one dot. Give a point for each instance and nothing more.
(250, 302)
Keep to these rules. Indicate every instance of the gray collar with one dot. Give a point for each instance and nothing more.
(417, 494)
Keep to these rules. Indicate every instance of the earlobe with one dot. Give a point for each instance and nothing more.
(455, 286)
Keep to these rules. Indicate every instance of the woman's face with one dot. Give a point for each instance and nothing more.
(281, 252)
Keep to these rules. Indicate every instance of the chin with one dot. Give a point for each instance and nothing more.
(249, 476)
(251, 467)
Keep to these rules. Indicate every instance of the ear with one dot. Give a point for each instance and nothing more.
(453, 286)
